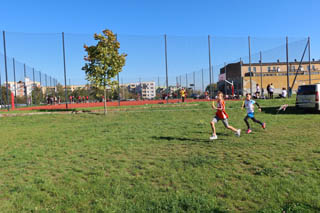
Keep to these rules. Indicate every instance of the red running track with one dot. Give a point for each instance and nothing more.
(100, 104)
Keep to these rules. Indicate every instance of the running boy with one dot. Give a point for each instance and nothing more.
(249, 105)
(221, 115)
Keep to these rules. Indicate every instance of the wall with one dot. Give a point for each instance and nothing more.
(278, 82)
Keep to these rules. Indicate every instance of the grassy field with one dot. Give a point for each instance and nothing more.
(159, 159)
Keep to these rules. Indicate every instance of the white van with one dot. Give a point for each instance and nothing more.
(308, 97)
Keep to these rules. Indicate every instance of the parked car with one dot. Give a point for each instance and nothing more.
(308, 97)
(195, 96)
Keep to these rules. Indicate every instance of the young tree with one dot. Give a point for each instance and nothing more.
(4, 96)
(211, 87)
(103, 61)
(37, 95)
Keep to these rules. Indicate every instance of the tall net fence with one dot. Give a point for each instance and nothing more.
(157, 67)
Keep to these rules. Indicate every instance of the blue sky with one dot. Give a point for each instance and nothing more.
(33, 29)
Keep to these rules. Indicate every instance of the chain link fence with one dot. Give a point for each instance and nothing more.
(202, 65)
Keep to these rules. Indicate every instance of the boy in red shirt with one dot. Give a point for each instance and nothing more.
(221, 115)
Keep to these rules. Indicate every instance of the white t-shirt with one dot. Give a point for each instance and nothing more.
(257, 89)
(271, 88)
(284, 93)
(249, 105)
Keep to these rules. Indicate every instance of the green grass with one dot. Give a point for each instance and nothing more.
(159, 159)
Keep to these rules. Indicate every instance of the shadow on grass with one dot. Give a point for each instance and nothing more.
(207, 133)
(169, 138)
(63, 110)
(289, 110)
(56, 110)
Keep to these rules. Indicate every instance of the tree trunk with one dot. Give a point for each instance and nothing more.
(105, 101)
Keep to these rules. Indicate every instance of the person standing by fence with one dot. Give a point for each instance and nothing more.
(257, 91)
(271, 90)
(268, 90)
(183, 95)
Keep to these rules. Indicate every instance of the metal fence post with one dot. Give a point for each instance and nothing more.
(194, 81)
(6, 68)
(14, 77)
(249, 46)
(166, 60)
(34, 83)
(25, 83)
(260, 71)
(225, 83)
(46, 81)
(186, 81)
(210, 78)
(309, 51)
(212, 75)
(241, 76)
(202, 83)
(118, 78)
(40, 78)
(65, 71)
(118, 89)
(177, 82)
(33, 77)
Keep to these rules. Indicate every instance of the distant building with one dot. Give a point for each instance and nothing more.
(147, 90)
(74, 87)
(23, 88)
(273, 72)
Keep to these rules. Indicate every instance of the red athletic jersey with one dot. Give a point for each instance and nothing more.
(221, 113)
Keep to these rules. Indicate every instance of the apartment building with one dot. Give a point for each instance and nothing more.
(22, 88)
(267, 73)
(147, 90)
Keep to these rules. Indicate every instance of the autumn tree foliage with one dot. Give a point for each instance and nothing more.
(103, 61)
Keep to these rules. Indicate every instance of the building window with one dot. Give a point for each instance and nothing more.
(269, 69)
(254, 69)
(274, 69)
(293, 68)
(313, 67)
(249, 69)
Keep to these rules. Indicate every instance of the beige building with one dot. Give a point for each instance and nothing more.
(267, 73)
(74, 87)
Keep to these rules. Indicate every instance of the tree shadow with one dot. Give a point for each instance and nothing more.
(289, 110)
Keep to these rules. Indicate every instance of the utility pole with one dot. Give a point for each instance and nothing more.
(6, 68)
(210, 78)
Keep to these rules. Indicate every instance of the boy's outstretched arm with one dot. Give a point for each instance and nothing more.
(213, 106)
(242, 107)
(258, 107)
